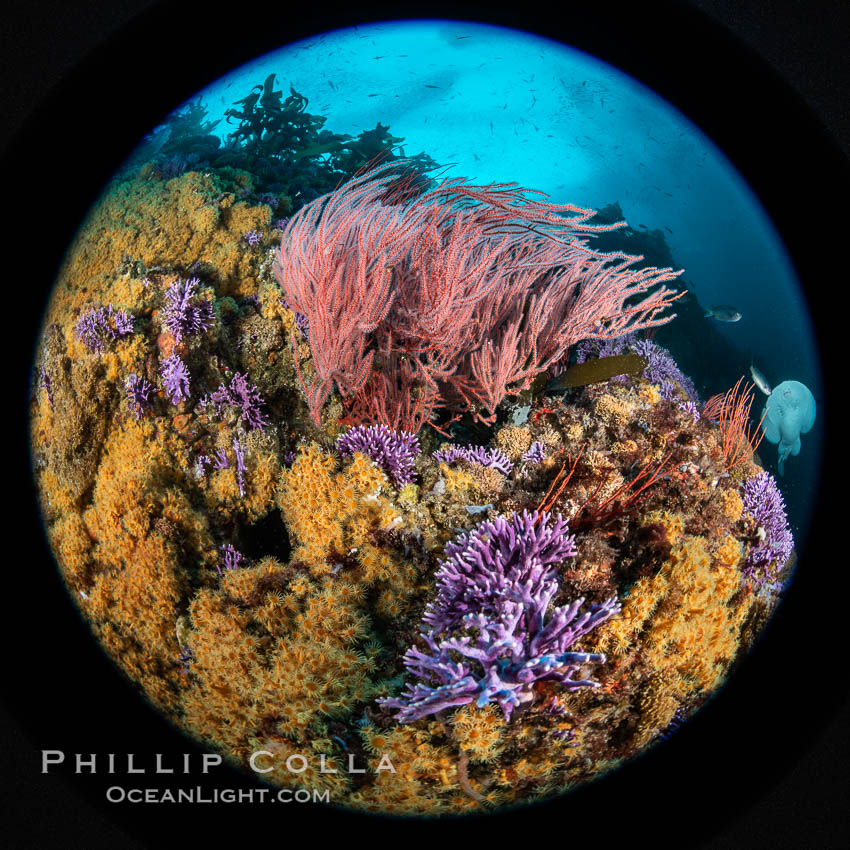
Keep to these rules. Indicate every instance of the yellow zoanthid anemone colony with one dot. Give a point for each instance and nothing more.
(478, 614)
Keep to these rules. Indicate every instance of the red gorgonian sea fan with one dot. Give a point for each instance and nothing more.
(451, 299)
(731, 410)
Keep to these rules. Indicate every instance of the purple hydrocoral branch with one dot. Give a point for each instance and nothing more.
(239, 394)
(764, 502)
(102, 324)
(185, 313)
(475, 454)
(593, 348)
(239, 451)
(301, 321)
(203, 462)
(675, 724)
(44, 377)
(122, 321)
(495, 585)
(231, 558)
(536, 453)
(450, 454)
(395, 453)
(186, 657)
(269, 199)
(138, 394)
(499, 551)
(175, 377)
(690, 408)
(661, 369)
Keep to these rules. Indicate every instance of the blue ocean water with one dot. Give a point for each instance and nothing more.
(503, 105)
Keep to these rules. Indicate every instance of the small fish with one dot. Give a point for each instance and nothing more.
(723, 313)
(760, 380)
(598, 369)
(431, 87)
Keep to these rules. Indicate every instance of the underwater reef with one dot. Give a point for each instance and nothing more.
(316, 487)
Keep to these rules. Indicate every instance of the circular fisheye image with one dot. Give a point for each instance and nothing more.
(425, 417)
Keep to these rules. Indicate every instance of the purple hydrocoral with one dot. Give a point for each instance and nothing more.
(269, 199)
(253, 237)
(764, 502)
(661, 369)
(239, 394)
(186, 657)
(239, 451)
(476, 454)
(122, 321)
(185, 313)
(44, 380)
(202, 464)
(102, 324)
(691, 409)
(450, 454)
(175, 377)
(592, 348)
(232, 558)
(395, 452)
(496, 583)
(138, 394)
(536, 453)
(301, 321)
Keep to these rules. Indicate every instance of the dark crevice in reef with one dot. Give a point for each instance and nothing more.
(267, 537)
